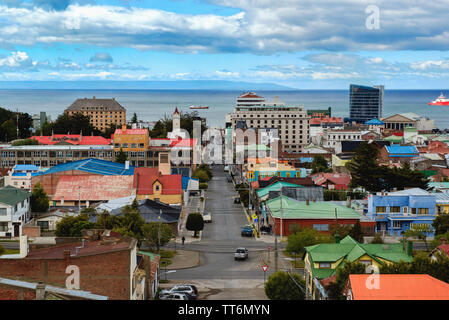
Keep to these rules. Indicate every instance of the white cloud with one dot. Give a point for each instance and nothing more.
(261, 26)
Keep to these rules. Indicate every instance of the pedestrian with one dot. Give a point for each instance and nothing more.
(183, 239)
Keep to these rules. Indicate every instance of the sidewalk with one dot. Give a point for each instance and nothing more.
(192, 206)
(184, 259)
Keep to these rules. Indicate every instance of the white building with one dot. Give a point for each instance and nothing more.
(14, 211)
(332, 138)
(250, 99)
(20, 176)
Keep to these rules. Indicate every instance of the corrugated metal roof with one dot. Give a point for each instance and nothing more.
(93, 165)
(12, 196)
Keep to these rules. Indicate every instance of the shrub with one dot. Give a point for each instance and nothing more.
(195, 223)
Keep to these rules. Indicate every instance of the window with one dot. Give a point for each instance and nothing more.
(4, 226)
(43, 225)
(133, 145)
(321, 227)
(413, 210)
(423, 211)
(325, 265)
(381, 209)
(396, 224)
(133, 154)
(52, 154)
(366, 262)
(2, 211)
(117, 145)
(395, 209)
(92, 153)
(125, 145)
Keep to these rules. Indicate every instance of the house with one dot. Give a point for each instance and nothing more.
(398, 153)
(332, 181)
(262, 193)
(151, 184)
(397, 212)
(443, 249)
(20, 176)
(107, 266)
(436, 146)
(269, 167)
(322, 261)
(319, 215)
(375, 125)
(442, 202)
(396, 287)
(439, 186)
(14, 211)
(148, 264)
(42, 224)
(155, 211)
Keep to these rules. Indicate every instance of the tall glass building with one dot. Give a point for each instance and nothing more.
(365, 103)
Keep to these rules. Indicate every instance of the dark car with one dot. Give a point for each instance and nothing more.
(247, 231)
(236, 199)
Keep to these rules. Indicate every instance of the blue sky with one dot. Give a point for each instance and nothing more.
(309, 44)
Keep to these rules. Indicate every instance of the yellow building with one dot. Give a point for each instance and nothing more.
(321, 261)
(131, 139)
(268, 167)
(338, 164)
(102, 112)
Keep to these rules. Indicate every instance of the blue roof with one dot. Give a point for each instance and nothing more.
(23, 174)
(92, 165)
(26, 167)
(375, 122)
(398, 150)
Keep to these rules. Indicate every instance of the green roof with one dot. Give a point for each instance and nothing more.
(257, 147)
(149, 254)
(438, 185)
(393, 138)
(293, 209)
(351, 250)
(12, 196)
(275, 187)
(428, 173)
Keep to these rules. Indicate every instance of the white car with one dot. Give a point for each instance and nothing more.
(207, 217)
(174, 296)
(226, 168)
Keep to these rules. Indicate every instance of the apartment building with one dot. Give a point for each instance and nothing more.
(333, 138)
(292, 123)
(365, 103)
(102, 112)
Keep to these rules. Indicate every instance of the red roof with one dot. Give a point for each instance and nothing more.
(182, 143)
(249, 95)
(321, 178)
(75, 139)
(90, 248)
(171, 183)
(93, 187)
(327, 120)
(399, 287)
(444, 248)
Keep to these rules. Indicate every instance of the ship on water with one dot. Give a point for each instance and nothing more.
(198, 107)
(440, 101)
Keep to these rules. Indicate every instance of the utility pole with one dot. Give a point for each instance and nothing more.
(159, 232)
(275, 254)
(79, 199)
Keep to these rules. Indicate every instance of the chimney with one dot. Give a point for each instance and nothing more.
(126, 164)
(348, 202)
(81, 135)
(62, 200)
(337, 238)
(40, 291)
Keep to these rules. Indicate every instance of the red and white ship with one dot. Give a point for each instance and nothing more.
(440, 101)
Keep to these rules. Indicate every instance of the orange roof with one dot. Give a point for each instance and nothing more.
(399, 287)
(131, 131)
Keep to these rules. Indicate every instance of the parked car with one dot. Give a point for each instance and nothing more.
(226, 168)
(247, 231)
(207, 217)
(173, 296)
(229, 178)
(265, 230)
(241, 254)
(188, 289)
(236, 199)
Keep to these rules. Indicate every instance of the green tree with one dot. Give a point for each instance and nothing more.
(356, 232)
(377, 239)
(320, 164)
(134, 118)
(121, 156)
(25, 142)
(419, 232)
(39, 199)
(335, 289)
(71, 226)
(195, 223)
(130, 223)
(165, 125)
(305, 237)
(441, 224)
(283, 286)
(201, 175)
(8, 130)
(74, 124)
(157, 234)
(342, 230)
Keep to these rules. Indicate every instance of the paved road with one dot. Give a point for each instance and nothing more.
(221, 238)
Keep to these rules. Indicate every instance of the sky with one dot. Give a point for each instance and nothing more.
(304, 44)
